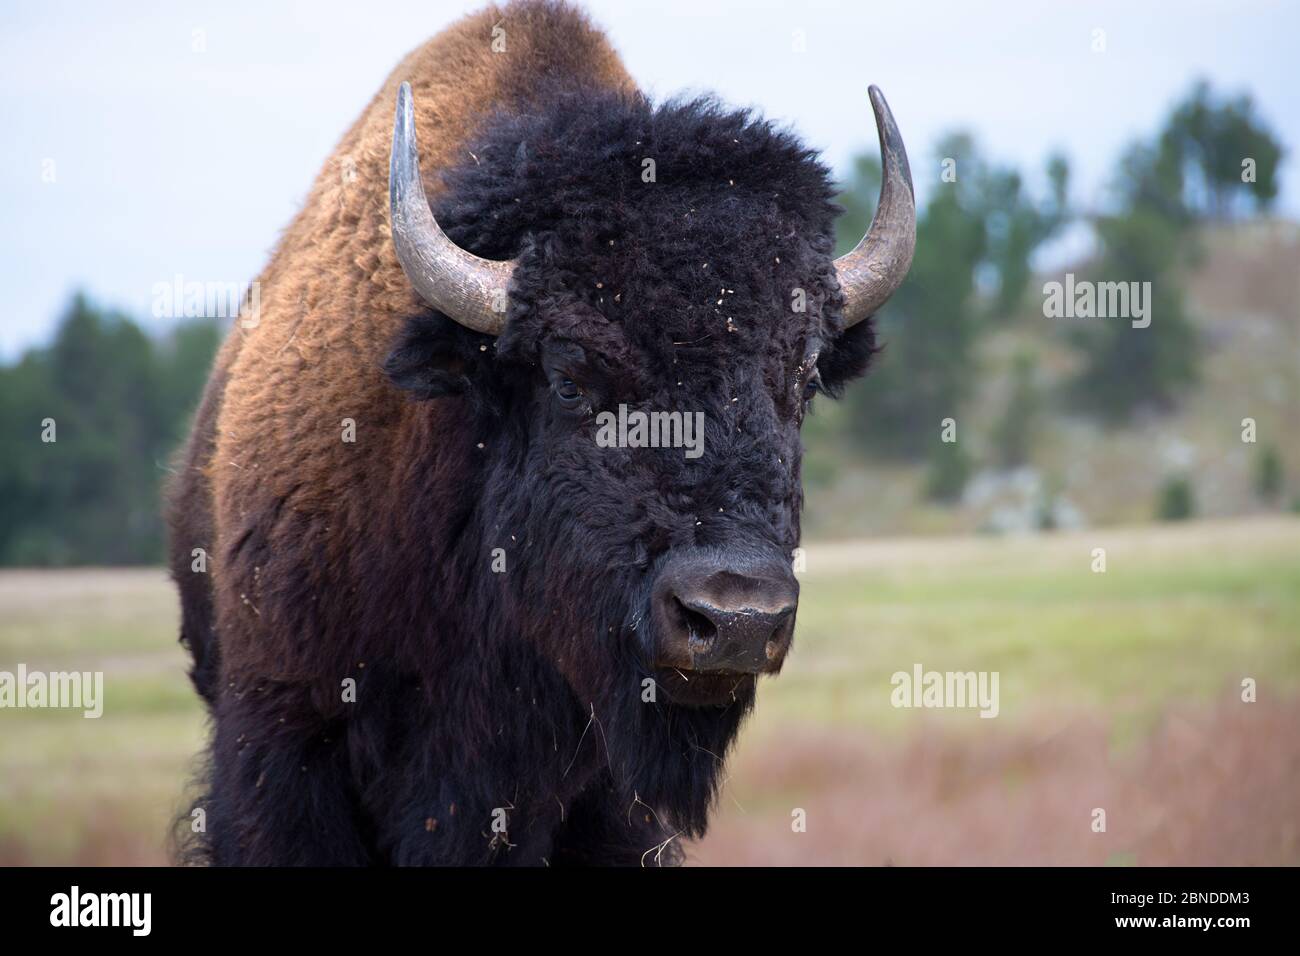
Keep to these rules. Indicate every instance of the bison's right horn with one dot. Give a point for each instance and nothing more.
(455, 282)
(876, 267)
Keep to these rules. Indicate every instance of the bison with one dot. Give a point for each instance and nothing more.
(433, 619)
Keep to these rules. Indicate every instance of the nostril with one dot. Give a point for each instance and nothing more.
(700, 631)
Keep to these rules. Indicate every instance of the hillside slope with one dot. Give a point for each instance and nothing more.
(1243, 295)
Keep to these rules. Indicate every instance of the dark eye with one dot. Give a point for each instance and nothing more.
(567, 391)
(812, 387)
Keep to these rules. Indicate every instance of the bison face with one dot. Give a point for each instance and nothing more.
(638, 476)
(674, 308)
(667, 458)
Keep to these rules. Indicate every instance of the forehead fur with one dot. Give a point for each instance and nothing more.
(684, 227)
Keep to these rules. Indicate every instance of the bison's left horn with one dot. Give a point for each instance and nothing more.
(876, 267)
(457, 283)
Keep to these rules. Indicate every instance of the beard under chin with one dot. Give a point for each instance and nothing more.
(672, 753)
(665, 741)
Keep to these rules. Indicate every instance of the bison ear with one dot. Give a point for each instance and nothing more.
(847, 357)
(434, 357)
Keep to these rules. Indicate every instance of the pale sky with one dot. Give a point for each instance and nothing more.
(167, 159)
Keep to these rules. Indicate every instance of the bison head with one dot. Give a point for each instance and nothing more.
(598, 259)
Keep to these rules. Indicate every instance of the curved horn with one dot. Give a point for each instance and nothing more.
(455, 282)
(876, 267)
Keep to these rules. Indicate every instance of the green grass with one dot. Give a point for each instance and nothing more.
(101, 790)
(1182, 614)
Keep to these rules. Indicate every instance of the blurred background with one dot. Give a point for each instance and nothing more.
(151, 144)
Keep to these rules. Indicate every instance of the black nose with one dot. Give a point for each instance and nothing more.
(721, 613)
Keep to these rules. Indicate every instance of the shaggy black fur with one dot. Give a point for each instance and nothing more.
(519, 695)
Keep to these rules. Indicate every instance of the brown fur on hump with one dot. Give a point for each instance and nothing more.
(332, 299)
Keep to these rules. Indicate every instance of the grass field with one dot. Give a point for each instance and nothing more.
(1119, 691)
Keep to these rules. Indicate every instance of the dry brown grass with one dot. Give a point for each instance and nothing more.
(1217, 786)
